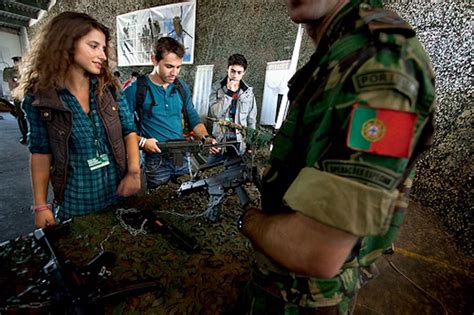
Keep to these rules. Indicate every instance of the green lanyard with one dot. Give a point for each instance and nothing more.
(94, 129)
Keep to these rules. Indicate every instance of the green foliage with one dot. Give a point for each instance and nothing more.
(258, 138)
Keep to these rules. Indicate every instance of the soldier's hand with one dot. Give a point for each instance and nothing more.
(44, 218)
(151, 146)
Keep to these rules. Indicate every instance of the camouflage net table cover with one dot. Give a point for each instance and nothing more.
(206, 282)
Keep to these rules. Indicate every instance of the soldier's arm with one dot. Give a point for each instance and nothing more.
(299, 243)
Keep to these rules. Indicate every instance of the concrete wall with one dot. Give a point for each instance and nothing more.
(10, 45)
(262, 31)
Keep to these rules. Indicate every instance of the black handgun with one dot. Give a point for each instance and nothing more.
(156, 224)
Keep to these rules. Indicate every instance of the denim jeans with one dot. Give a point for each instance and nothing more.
(159, 169)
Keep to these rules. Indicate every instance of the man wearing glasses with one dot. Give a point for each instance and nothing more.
(232, 100)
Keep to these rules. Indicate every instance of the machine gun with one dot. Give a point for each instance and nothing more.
(75, 289)
(235, 175)
(176, 148)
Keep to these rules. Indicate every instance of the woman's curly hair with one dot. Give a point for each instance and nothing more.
(52, 53)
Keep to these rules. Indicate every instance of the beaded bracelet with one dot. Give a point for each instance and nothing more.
(40, 208)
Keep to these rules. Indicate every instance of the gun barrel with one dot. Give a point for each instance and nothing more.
(175, 146)
(180, 146)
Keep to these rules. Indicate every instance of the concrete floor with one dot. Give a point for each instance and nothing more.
(424, 252)
(428, 256)
(15, 187)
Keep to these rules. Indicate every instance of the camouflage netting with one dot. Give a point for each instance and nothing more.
(206, 282)
(444, 179)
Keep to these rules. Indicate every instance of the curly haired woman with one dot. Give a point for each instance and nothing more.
(81, 138)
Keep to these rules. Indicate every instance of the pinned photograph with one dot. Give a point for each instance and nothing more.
(138, 31)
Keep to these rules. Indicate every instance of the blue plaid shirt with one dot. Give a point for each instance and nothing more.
(86, 191)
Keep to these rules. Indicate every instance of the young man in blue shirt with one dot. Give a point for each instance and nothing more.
(161, 114)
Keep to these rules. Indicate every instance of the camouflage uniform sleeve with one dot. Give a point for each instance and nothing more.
(356, 188)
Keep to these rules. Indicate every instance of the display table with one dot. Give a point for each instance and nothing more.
(208, 281)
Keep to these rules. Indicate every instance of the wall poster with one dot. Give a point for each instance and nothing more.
(137, 32)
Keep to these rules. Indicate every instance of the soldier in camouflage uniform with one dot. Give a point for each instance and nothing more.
(335, 192)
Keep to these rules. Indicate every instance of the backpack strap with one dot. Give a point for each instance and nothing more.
(142, 88)
(182, 93)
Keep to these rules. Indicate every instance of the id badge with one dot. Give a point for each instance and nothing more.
(98, 162)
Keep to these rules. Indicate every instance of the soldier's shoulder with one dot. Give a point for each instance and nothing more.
(385, 25)
(393, 33)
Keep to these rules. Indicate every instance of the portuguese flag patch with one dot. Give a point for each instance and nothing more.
(381, 131)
